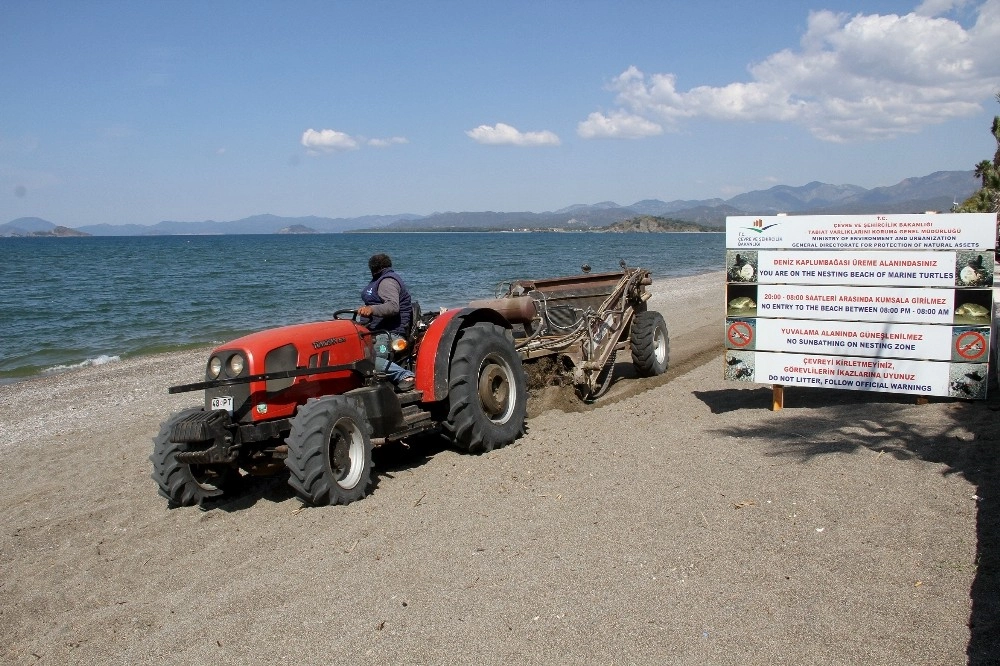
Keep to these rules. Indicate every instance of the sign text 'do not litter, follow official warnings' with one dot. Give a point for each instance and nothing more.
(928, 378)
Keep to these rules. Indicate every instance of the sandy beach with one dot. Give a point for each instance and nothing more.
(678, 520)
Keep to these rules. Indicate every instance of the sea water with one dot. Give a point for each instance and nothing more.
(66, 302)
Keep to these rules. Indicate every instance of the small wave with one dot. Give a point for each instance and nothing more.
(100, 360)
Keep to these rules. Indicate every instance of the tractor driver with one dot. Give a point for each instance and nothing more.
(389, 308)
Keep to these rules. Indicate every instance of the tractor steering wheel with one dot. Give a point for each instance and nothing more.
(353, 315)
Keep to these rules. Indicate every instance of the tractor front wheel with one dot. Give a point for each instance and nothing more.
(650, 344)
(330, 452)
(487, 389)
(183, 484)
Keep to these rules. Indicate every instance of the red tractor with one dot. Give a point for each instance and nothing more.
(307, 397)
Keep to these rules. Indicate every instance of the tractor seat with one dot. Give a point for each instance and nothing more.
(411, 335)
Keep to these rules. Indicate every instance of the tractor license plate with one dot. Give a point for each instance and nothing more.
(223, 402)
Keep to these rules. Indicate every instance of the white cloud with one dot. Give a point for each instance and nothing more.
(328, 141)
(852, 78)
(332, 141)
(938, 7)
(617, 125)
(385, 143)
(502, 134)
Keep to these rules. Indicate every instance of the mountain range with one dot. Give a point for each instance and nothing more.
(935, 192)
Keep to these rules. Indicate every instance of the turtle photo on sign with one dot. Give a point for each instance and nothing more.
(973, 307)
(741, 266)
(973, 269)
(741, 300)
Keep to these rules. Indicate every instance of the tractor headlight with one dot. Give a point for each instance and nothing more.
(236, 364)
(214, 367)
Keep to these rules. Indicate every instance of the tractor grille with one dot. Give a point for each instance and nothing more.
(240, 393)
(198, 427)
(278, 360)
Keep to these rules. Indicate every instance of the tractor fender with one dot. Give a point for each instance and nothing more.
(437, 344)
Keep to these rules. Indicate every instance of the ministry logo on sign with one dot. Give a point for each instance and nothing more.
(758, 226)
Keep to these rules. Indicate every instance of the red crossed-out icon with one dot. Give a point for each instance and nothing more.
(740, 334)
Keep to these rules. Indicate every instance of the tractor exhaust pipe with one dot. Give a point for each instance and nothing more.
(516, 309)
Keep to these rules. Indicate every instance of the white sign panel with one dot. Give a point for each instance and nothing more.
(937, 378)
(905, 268)
(916, 341)
(971, 231)
(970, 307)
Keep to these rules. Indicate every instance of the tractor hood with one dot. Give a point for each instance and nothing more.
(316, 335)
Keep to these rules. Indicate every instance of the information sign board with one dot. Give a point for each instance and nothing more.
(892, 303)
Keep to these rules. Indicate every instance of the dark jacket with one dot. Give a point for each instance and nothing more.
(395, 322)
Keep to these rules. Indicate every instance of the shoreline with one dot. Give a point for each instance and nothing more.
(37, 394)
(109, 359)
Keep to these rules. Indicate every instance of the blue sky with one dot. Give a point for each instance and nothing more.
(136, 112)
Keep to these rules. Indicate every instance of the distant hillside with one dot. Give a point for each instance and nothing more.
(914, 195)
(935, 192)
(657, 207)
(297, 229)
(36, 227)
(60, 232)
(572, 218)
(28, 224)
(652, 224)
(256, 224)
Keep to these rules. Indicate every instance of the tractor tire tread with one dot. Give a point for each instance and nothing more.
(470, 429)
(174, 479)
(307, 450)
(644, 345)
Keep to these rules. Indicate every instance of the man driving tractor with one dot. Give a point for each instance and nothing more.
(389, 308)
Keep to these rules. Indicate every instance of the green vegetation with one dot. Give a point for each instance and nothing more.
(987, 198)
(57, 232)
(654, 224)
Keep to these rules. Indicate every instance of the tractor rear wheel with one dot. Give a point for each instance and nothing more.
(330, 452)
(487, 389)
(183, 484)
(650, 344)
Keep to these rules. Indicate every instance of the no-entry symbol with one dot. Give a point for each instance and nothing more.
(740, 334)
(971, 345)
